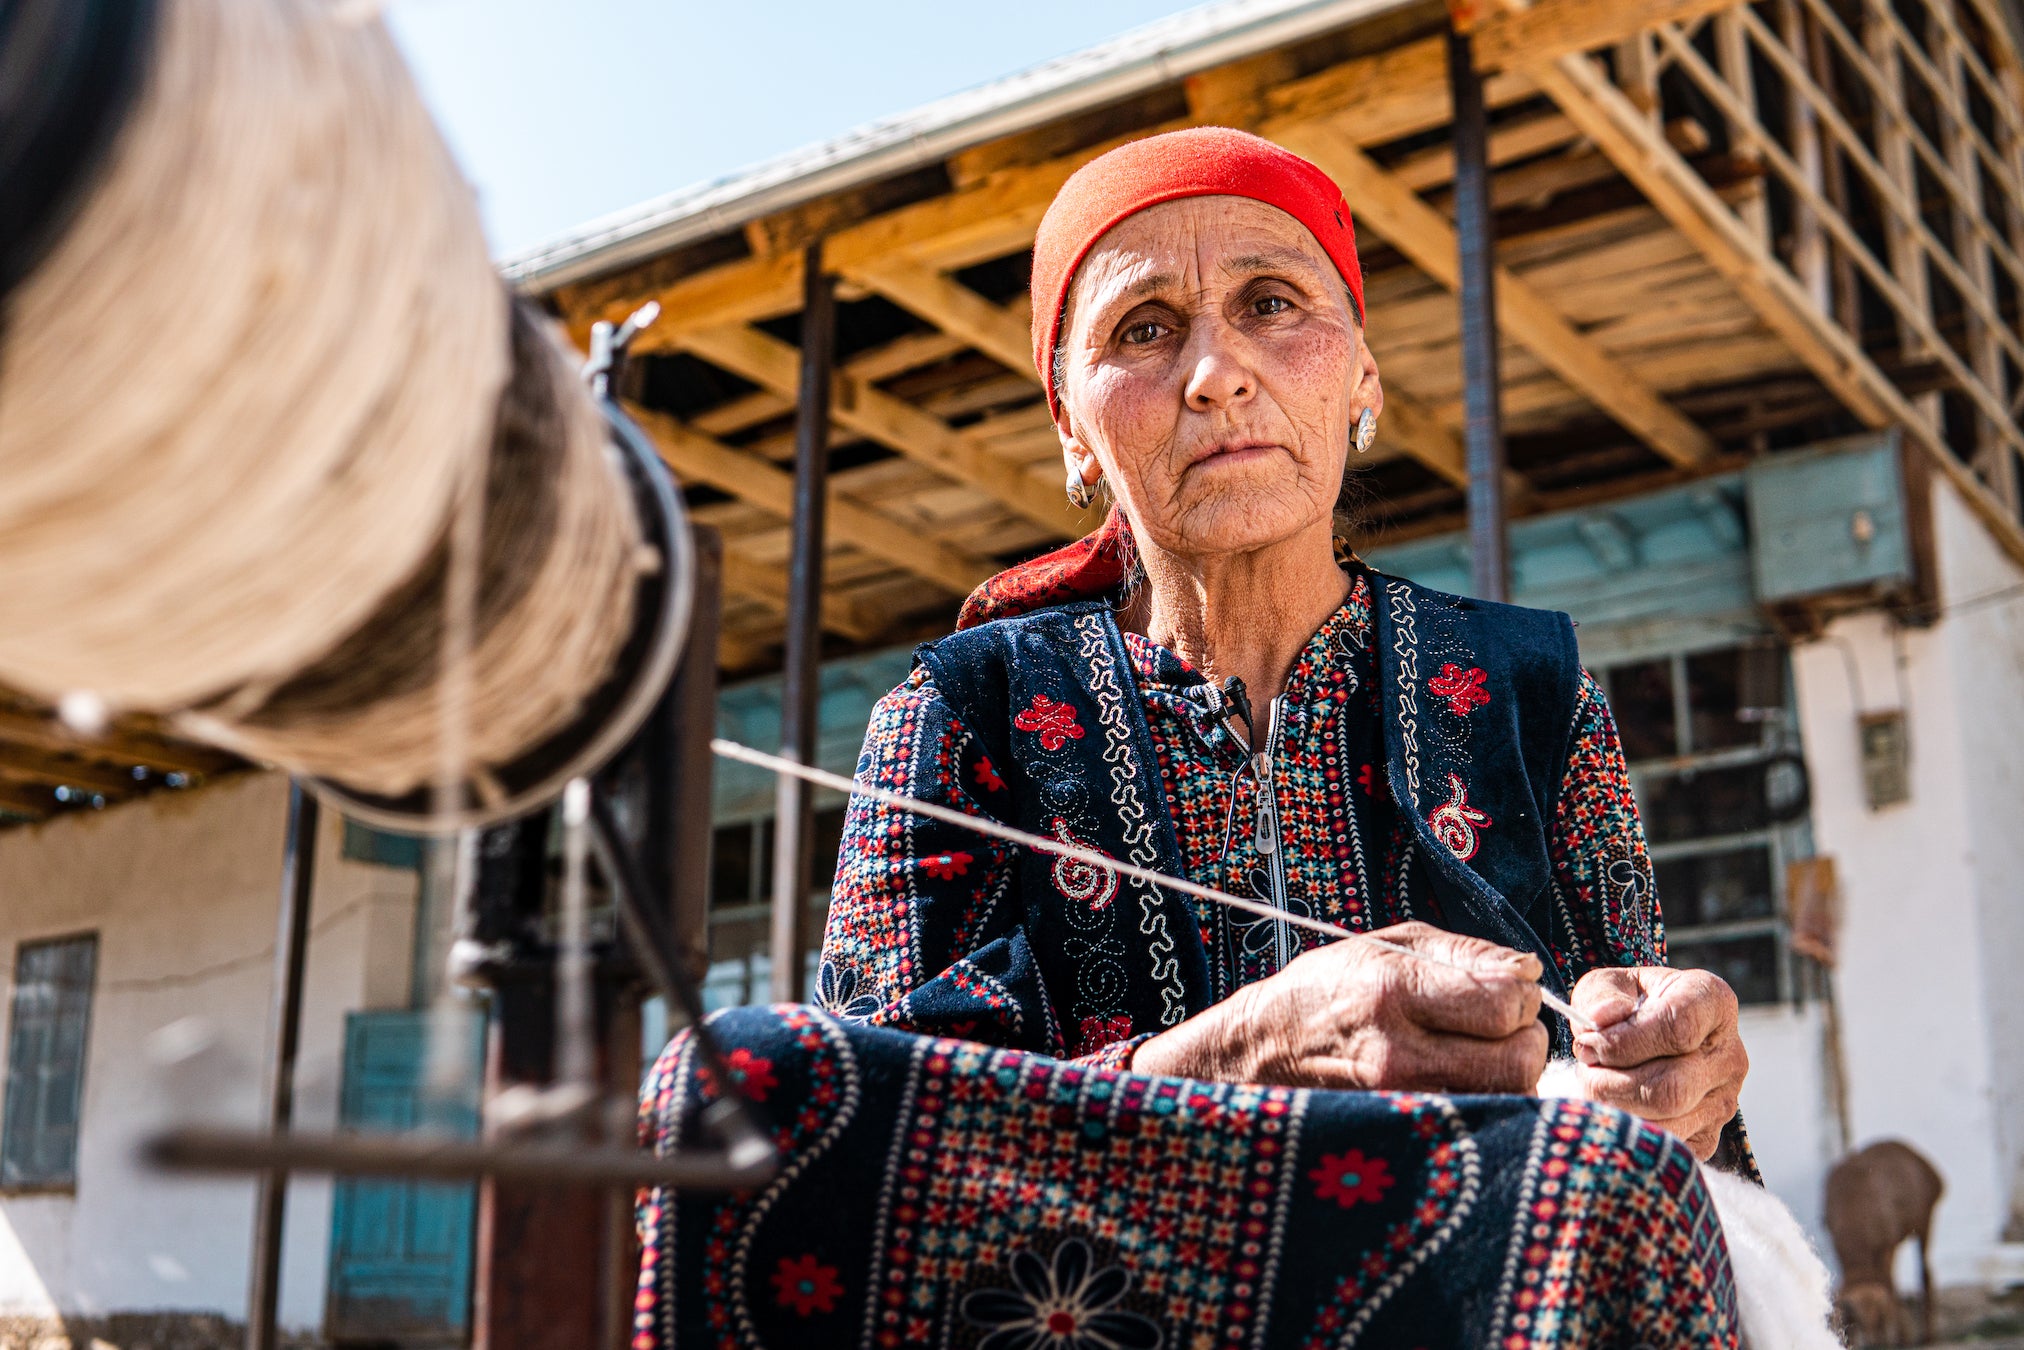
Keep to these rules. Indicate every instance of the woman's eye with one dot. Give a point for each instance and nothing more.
(1140, 333)
(1272, 304)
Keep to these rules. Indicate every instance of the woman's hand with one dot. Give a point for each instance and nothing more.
(1353, 1015)
(1666, 1049)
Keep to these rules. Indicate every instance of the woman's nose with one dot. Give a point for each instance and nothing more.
(1219, 375)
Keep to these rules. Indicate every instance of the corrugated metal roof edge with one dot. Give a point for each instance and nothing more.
(1142, 59)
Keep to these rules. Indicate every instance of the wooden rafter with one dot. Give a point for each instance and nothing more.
(706, 460)
(116, 746)
(1391, 209)
(1588, 97)
(32, 803)
(953, 307)
(766, 582)
(869, 411)
(23, 764)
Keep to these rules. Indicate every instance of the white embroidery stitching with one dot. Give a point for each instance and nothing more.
(1124, 795)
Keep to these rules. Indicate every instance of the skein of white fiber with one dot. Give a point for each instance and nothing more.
(242, 398)
(1783, 1296)
(271, 333)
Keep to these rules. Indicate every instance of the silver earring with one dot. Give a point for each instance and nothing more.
(1366, 431)
(1080, 494)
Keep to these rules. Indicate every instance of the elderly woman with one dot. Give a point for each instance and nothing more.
(1211, 686)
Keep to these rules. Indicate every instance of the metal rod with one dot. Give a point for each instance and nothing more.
(575, 1021)
(564, 1163)
(291, 950)
(793, 821)
(680, 771)
(743, 1134)
(1483, 430)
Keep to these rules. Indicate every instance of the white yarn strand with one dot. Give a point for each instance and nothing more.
(745, 754)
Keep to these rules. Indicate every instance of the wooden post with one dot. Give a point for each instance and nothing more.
(793, 824)
(1732, 49)
(1483, 431)
(291, 954)
(1809, 241)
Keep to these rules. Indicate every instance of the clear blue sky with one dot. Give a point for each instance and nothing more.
(561, 110)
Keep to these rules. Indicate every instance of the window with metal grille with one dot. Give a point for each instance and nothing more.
(46, 1045)
(1714, 758)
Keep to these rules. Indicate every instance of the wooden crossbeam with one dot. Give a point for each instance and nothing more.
(767, 582)
(119, 747)
(1642, 155)
(952, 307)
(1391, 209)
(869, 411)
(24, 764)
(33, 803)
(693, 455)
(1974, 385)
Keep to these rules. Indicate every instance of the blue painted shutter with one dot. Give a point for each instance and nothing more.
(400, 1252)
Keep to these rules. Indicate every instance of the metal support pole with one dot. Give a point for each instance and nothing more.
(793, 824)
(679, 797)
(1483, 431)
(291, 951)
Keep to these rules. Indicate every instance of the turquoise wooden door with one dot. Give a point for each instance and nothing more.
(400, 1252)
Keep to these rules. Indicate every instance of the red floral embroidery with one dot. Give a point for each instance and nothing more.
(806, 1286)
(1055, 721)
(1097, 1032)
(1366, 778)
(987, 776)
(947, 866)
(1455, 822)
(752, 1074)
(1351, 1178)
(1463, 689)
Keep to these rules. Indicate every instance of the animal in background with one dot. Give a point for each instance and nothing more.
(1876, 1198)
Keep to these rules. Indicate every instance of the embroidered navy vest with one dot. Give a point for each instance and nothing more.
(1478, 703)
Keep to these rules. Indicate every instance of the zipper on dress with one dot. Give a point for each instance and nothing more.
(1265, 830)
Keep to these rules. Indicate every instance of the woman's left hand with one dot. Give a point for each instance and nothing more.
(1666, 1048)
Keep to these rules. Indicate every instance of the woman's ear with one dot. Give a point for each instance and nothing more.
(1366, 386)
(1076, 457)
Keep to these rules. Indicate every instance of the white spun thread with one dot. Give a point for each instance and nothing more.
(249, 399)
(745, 754)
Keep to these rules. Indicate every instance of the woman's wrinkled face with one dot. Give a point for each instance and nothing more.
(1214, 372)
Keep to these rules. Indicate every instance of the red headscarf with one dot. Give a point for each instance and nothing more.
(1196, 162)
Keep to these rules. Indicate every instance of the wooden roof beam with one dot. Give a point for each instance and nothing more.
(952, 307)
(1389, 208)
(115, 746)
(766, 582)
(693, 455)
(34, 804)
(871, 412)
(23, 764)
(1642, 155)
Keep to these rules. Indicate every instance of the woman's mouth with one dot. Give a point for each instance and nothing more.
(1234, 452)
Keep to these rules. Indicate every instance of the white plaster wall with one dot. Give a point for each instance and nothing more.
(182, 891)
(1785, 1107)
(1920, 977)
(1984, 630)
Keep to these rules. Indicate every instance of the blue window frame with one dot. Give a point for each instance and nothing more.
(48, 1036)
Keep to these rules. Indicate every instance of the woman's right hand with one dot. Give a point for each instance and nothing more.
(1353, 1015)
